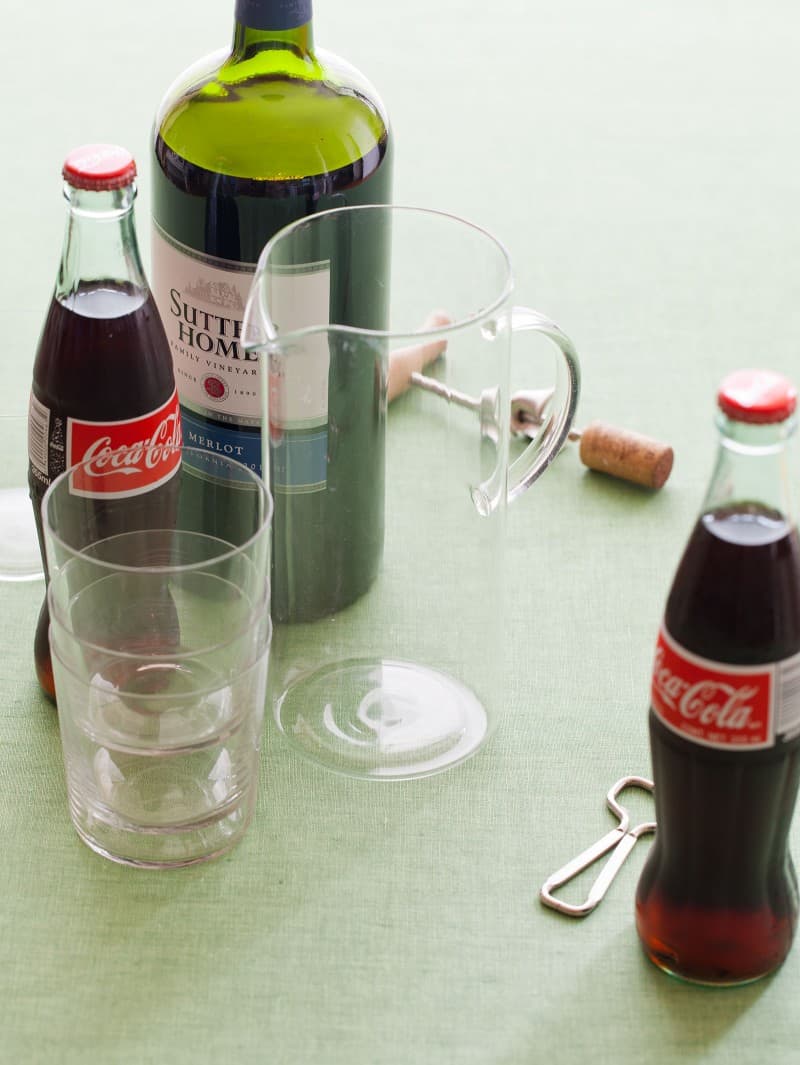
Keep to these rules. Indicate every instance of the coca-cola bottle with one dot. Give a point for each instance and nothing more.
(102, 377)
(717, 899)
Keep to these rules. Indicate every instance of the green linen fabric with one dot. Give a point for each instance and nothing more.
(640, 163)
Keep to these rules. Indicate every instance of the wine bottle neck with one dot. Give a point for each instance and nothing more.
(273, 14)
(247, 40)
(100, 242)
(287, 22)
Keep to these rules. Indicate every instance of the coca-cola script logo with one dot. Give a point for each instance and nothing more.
(712, 703)
(125, 458)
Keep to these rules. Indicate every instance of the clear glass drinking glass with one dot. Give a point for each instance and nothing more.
(159, 635)
(387, 575)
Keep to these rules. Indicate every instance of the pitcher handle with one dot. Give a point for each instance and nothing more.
(549, 440)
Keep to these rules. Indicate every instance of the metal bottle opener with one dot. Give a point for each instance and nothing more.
(620, 841)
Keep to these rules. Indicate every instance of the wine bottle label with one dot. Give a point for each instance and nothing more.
(720, 705)
(201, 300)
(298, 297)
(118, 459)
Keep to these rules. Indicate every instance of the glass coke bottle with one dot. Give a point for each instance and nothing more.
(717, 899)
(102, 376)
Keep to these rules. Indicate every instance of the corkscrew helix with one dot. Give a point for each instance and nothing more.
(620, 841)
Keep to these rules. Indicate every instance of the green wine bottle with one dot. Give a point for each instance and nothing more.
(245, 142)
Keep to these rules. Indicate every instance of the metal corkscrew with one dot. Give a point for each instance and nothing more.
(606, 448)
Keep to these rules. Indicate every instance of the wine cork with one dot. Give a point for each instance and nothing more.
(406, 361)
(627, 455)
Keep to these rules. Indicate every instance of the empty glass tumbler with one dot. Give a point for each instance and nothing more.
(159, 634)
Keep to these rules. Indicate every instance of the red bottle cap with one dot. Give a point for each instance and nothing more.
(99, 167)
(757, 396)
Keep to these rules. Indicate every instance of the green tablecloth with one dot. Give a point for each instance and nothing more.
(640, 163)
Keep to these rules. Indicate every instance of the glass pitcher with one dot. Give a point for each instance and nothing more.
(386, 338)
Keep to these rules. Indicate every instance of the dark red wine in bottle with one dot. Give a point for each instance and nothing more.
(246, 142)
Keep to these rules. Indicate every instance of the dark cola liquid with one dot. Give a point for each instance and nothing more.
(102, 356)
(717, 899)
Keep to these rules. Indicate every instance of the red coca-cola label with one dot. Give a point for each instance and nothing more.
(713, 703)
(125, 458)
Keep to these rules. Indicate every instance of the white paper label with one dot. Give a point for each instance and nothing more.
(201, 301)
(299, 298)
